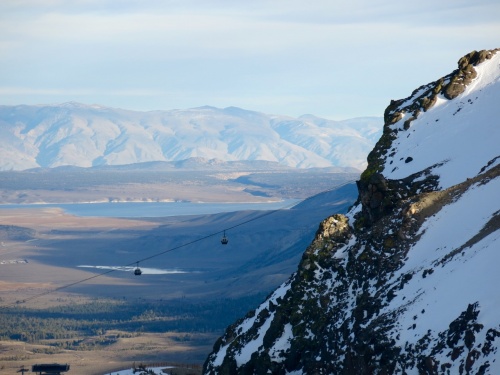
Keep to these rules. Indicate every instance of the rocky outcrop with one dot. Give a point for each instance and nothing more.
(376, 291)
(333, 307)
(421, 100)
(376, 194)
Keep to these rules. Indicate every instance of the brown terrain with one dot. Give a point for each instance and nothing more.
(41, 250)
(25, 279)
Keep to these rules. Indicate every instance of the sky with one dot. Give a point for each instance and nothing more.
(334, 59)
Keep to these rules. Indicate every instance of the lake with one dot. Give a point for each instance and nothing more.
(155, 209)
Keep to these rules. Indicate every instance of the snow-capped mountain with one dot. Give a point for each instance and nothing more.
(85, 136)
(406, 282)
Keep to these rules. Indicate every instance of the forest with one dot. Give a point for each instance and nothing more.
(80, 326)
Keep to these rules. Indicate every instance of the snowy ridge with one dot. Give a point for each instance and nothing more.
(405, 283)
(430, 139)
(80, 135)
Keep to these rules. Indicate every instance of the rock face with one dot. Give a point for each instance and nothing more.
(405, 282)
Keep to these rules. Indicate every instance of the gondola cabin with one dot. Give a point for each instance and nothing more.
(224, 239)
(137, 271)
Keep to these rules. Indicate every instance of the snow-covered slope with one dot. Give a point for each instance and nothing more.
(85, 136)
(405, 283)
(461, 135)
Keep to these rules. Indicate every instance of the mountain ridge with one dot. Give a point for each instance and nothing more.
(91, 135)
(405, 281)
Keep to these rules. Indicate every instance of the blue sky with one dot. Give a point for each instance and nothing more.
(333, 59)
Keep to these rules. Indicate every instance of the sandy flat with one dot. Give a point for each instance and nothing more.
(44, 218)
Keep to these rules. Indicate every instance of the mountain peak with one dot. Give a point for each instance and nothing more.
(405, 283)
(89, 135)
(78, 105)
(451, 101)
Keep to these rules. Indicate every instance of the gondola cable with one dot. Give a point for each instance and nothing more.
(266, 213)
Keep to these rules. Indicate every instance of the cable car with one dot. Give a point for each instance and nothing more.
(137, 271)
(224, 239)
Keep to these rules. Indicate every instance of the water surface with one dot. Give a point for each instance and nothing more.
(154, 209)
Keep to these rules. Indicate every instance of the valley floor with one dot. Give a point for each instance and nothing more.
(147, 349)
(151, 318)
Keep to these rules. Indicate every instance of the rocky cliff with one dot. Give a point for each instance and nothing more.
(406, 281)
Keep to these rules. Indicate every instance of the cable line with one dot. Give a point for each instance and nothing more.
(266, 213)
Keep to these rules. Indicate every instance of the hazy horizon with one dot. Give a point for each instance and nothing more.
(332, 59)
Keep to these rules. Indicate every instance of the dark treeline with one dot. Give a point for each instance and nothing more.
(79, 321)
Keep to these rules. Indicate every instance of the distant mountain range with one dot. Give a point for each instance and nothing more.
(74, 134)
